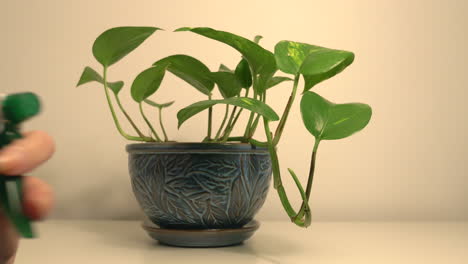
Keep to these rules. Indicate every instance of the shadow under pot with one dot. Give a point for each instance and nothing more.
(199, 186)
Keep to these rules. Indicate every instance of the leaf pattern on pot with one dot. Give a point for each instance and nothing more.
(200, 190)
(250, 189)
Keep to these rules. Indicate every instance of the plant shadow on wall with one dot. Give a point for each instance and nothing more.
(243, 89)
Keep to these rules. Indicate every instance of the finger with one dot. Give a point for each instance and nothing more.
(37, 203)
(37, 198)
(27, 153)
(8, 240)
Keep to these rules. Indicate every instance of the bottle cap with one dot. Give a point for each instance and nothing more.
(20, 107)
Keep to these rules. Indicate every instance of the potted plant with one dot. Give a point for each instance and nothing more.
(207, 193)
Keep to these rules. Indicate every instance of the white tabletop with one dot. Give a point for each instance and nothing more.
(115, 242)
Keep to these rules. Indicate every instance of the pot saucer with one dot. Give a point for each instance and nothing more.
(202, 237)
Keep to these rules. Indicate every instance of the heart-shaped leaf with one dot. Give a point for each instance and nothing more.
(323, 65)
(277, 80)
(147, 83)
(326, 120)
(90, 75)
(164, 105)
(190, 70)
(315, 63)
(261, 61)
(251, 104)
(243, 74)
(227, 82)
(116, 43)
(290, 55)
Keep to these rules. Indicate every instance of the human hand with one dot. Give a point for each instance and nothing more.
(20, 157)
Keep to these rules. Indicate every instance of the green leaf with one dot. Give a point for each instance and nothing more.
(243, 74)
(326, 120)
(147, 83)
(261, 61)
(323, 65)
(251, 104)
(116, 43)
(315, 63)
(227, 82)
(152, 103)
(116, 87)
(183, 29)
(277, 80)
(90, 75)
(224, 68)
(190, 70)
(257, 39)
(290, 55)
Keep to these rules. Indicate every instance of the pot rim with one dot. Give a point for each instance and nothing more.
(159, 147)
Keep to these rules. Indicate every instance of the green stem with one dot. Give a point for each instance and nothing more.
(235, 139)
(251, 117)
(258, 143)
(162, 125)
(231, 124)
(222, 124)
(278, 183)
(257, 119)
(305, 203)
(310, 180)
(231, 118)
(247, 92)
(210, 119)
(237, 117)
(114, 116)
(254, 126)
(249, 124)
(228, 132)
(287, 110)
(127, 116)
(148, 122)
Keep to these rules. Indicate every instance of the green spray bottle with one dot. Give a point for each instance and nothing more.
(15, 109)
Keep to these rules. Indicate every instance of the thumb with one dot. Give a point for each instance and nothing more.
(8, 240)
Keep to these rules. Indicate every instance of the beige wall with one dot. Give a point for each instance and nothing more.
(410, 163)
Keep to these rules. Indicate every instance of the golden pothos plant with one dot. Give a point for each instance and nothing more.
(243, 89)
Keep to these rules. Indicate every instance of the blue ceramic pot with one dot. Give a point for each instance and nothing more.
(199, 185)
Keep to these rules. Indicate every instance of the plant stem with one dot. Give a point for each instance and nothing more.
(236, 118)
(161, 123)
(311, 178)
(258, 143)
(148, 122)
(247, 92)
(210, 119)
(278, 183)
(254, 126)
(235, 139)
(229, 130)
(249, 123)
(222, 124)
(257, 119)
(282, 123)
(114, 117)
(127, 116)
(231, 118)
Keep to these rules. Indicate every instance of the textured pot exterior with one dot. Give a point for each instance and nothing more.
(199, 185)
